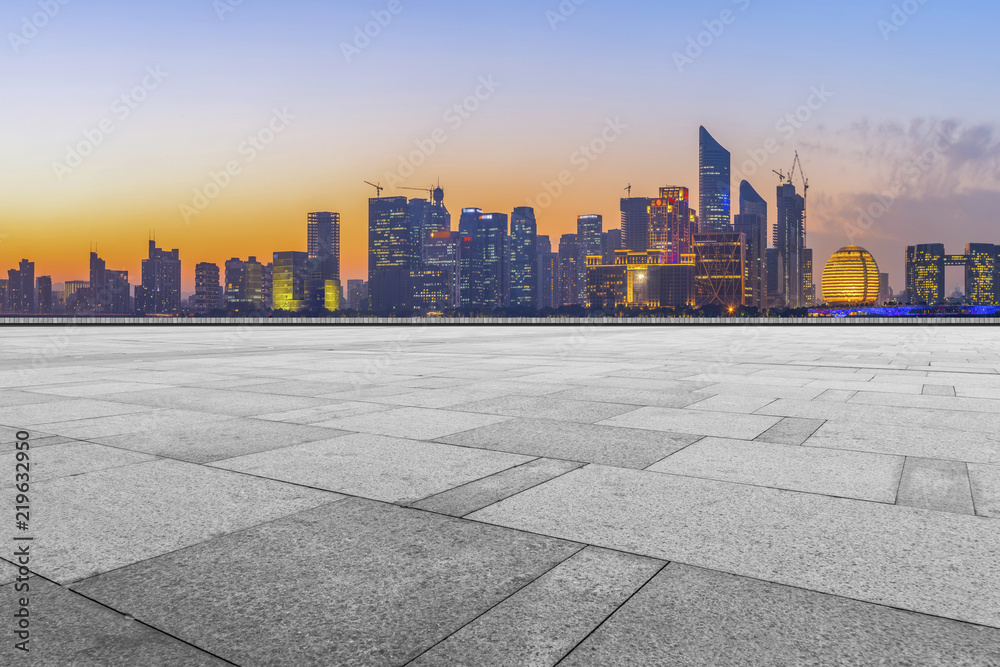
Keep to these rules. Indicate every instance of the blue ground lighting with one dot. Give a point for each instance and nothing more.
(910, 311)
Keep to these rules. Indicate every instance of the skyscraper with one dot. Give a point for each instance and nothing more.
(549, 292)
(98, 284)
(491, 244)
(636, 224)
(323, 243)
(207, 290)
(428, 217)
(117, 292)
(590, 241)
(752, 222)
(808, 280)
(44, 295)
(443, 253)
(390, 256)
(160, 291)
(569, 272)
(21, 288)
(714, 185)
(981, 273)
(788, 240)
(523, 258)
(612, 242)
(470, 259)
(670, 223)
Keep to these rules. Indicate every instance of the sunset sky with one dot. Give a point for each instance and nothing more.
(200, 77)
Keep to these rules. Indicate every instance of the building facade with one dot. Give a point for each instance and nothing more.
(638, 280)
(390, 256)
(160, 291)
(207, 287)
(715, 184)
(720, 270)
(523, 258)
(635, 228)
(288, 282)
(752, 223)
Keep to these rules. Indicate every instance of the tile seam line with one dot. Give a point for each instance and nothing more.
(151, 627)
(607, 618)
(744, 576)
(477, 480)
(528, 489)
(582, 547)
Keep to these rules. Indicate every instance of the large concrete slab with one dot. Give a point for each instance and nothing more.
(222, 440)
(588, 443)
(546, 407)
(68, 629)
(698, 422)
(217, 401)
(986, 489)
(66, 410)
(73, 458)
(152, 420)
(103, 520)
(936, 485)
(544, 621)
(879, 553)
(373, 466)
(353, 583)
(415, 423)
(843, 474)
(690, 617)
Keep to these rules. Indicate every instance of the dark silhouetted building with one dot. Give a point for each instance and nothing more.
(357, 295)
(789, 242)
(549, 293)
(636, 231)
(612, 242)
(523, 258)
(752, 223)
(715, 183)
(569, 271)
(491, 246)
(207, 288)
(160, 291)
(45, 304)
(21, 288)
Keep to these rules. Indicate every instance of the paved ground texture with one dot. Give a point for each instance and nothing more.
(502, 496)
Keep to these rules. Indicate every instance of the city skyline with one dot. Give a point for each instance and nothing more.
(533, 116)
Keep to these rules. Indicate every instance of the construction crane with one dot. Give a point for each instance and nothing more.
(805, 197)
(629, 188)
(378, 187)
(429, 190)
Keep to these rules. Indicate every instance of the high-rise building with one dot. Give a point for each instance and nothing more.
(851, 278)
(808, 281)
(788, 240)
(636, 229)
(720, 269)
(670, 223)
(612, 243)
(243, 284)
(117, 292)
(4, 295)
(884, 290)
(289, 280)
(428, 217)
(267, 286)
(21, 288)
(45, 304)
(160, 291)
(981, 274)
(390, 256)
(357, 295)
(433, 289)
(108, 293)
(752, 222)
(715, 183)
(638, 280)
(549, 293)
(491, 246)
(569, 271)
(471, 261)
(523, 258)
(323, 243)
(775, 270)
(98, 284)
(207, 288)
(590, 241)
(925, 274)
(443, 253)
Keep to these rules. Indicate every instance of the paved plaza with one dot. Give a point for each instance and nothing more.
(505, 496)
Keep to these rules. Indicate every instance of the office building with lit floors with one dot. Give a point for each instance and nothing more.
(925, 274)
(160, 291)
(243, 284)
(569, 270)
(590, 241)
(981, 267)
(207, 287)
(719, 270)
(715, 184)
(391, 258)
(288, 281)
(549, 291)
(671, 223)
(523, 258)
(638, 280)
(851, 278)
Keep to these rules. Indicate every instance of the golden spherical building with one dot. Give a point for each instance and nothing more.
(851, 278)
